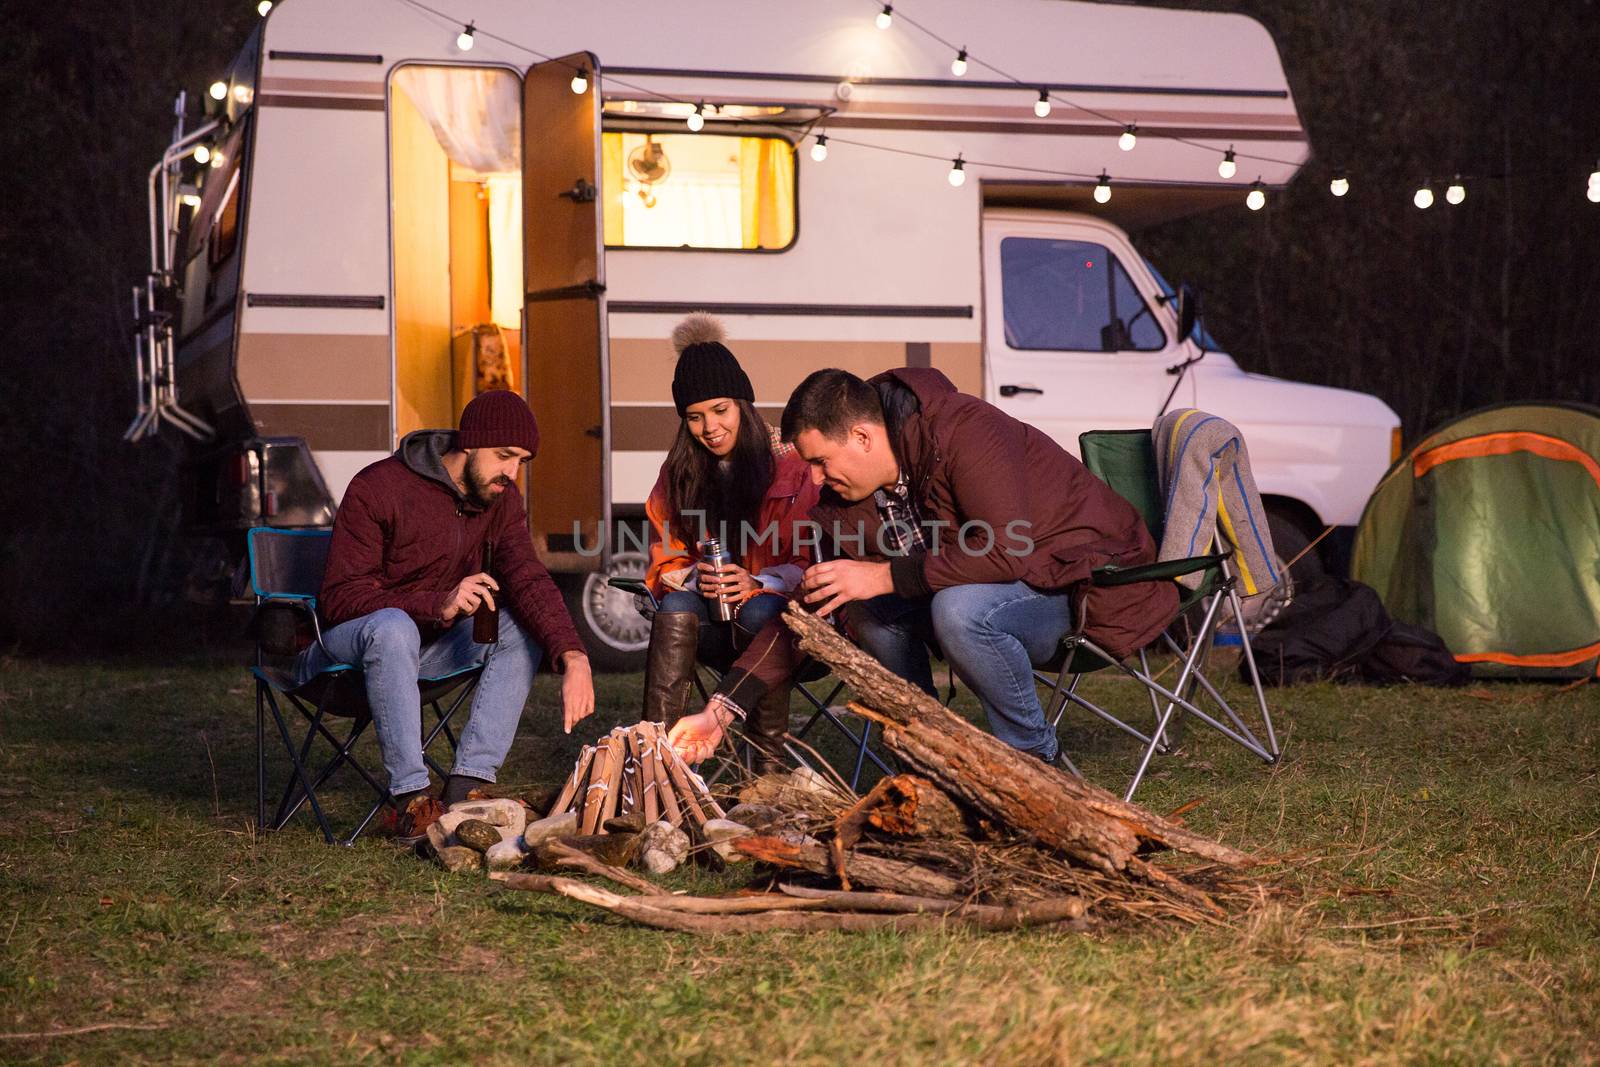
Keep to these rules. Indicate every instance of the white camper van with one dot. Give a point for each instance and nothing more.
(391, 205)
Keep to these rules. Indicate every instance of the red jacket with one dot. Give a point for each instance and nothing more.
(404, 537)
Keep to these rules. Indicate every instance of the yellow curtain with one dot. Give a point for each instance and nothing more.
(766, 192)
(611, 158)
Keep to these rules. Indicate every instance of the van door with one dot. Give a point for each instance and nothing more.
(564, 315)
(1074, 339)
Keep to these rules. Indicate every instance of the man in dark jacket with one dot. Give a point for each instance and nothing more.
(960, 527)
(405, 575)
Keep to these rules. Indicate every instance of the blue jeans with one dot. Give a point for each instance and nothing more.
(719, 644)
(387, 648)
(991, 634)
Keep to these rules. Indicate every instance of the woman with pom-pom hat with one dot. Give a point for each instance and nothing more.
(727, 476)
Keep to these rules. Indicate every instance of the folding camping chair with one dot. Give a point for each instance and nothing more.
(810, 673)
(1126, 461)
(286, 575)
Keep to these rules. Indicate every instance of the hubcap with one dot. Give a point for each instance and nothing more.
(613, 614)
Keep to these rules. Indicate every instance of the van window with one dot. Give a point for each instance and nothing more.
(1072, 296)
(672, 190)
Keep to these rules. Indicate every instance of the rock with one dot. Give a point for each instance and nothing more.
(556, 826)
(631, 823)
(475, 833)
(503, 811)
(758, 817)
(657, 861)
(662, 847)
(702, 852)
(720, 833)
(460, 858)
(505, 855)
(439, 838)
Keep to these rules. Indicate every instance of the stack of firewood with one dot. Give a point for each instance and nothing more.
(634, 769)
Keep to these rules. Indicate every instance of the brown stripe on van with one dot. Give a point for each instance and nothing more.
(919, 354)
(653, 429)
(314, 366)
(641, 368)
(327, 427)
(321, 103)
(961, 362)
(322, 86)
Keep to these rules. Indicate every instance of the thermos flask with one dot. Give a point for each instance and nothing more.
(486, 620)
(712, 552)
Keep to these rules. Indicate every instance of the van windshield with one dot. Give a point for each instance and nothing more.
(1201, 336)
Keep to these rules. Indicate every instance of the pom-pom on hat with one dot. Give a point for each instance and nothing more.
(497, 419)
(706, 369)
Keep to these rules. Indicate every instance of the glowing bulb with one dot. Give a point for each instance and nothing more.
(202, 153)
(1594, 193)
(1594, 179)
(1102, 191)
(1129, 138)
(958, 65)
(263, 7)
(819, 151)
(219, 90)
(1340, 184)
(1257, 198)
(1424, 198)
(464, 38)
(1041, 106)
(580, 82)
(886, 17)
(1227, 168)
(1456, 192)
(217, 159)
(697, 121)
(190, 200)
(958, 172)
(242, 93)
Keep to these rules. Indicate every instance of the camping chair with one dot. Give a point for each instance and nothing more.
(286, 575)
(1125, 460)
(810, 673)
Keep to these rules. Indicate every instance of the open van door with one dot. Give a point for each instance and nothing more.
(564, 315)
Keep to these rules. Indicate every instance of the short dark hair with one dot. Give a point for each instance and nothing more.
(830, 402)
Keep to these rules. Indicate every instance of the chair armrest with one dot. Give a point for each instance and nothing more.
(1166, 570)
(294, 601)
(638, 588)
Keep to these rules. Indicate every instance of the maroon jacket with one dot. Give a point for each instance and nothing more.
(404, 537)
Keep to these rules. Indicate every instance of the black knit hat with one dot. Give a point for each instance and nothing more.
(706, 369)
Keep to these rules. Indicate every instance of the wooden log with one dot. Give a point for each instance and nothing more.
(613, 795)
(558, 855)
(1015, 790)
(1072, 907)
(879, 872)
(915, 807)
(650, 801)
(664, 791)
(580, 775)
(746, 905)
(678, 772)
(594, 793)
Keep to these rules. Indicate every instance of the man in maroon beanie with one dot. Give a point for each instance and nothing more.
(405, 575)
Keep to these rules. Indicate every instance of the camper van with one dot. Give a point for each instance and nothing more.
(390, 205)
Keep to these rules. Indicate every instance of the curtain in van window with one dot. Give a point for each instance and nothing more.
(766, 192)
(612, 188)
(476, 114)
(505, 250)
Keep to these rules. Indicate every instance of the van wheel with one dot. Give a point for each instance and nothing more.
(607, 619)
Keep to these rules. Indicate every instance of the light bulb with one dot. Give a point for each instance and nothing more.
(1594, 179)
(1257, 198)
(263, 7)
(202, 153)
(697, 121)
(219, 90)
(958, 65)
(1102, 191)
(819, 151)
(1424, 198)
(1340, 184)
(190, 200)
(464, 38)
(1227, 168)
(886, 17)
(1594, 192)
(1041, 106)
(1129, 138)
(958, 172)
(1456, 192)
(242, 93)
(217, 159)
(580, 82)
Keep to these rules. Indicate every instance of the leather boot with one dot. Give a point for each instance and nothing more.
(765, 728)
(669, 665)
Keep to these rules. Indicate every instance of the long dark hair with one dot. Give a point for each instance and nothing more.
(695, 484)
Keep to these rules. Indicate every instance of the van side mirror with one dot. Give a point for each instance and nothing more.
(1188, 311)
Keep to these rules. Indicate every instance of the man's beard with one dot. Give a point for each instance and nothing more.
(481, 492)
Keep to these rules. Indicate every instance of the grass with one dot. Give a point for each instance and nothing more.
(1452, 913)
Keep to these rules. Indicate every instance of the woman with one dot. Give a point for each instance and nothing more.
(727, 477)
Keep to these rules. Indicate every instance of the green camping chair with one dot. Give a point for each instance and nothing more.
(1126, 461)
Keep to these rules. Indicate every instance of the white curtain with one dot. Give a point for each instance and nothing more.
(505, 250)
(475, 113)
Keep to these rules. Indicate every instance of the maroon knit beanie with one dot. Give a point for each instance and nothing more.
(497, 419)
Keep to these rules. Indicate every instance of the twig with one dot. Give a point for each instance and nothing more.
(1592, 868)
(216, 797)
(74, 1031)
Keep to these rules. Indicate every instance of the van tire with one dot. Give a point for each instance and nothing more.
(608, 621)
(1289, 539)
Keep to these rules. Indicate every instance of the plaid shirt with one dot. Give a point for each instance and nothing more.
(902, 526)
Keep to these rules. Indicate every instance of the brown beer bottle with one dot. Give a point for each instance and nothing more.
(486, 620)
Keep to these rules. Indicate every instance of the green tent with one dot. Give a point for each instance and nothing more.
(1488, 533)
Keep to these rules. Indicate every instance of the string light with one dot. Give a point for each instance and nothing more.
(1227, 168)
(1456, 192)
(263, 7)
(958, 172)
(218, 90)
(1129, 138)
(1340, 184)
(1594, 185)
(580, 82)
(1424, 198)
(697, 121)
(1258, 196)
(464, 38)
(217, 159)
(190, 200)
(958, 65)
(819, 151)
(886, 17)
(1041, 106)
(1102, 191)
(243, 93)
(202, 154)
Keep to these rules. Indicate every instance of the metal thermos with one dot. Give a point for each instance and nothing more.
(712, 552)
(486, 620)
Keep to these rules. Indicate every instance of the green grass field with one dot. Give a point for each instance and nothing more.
(1446, 908)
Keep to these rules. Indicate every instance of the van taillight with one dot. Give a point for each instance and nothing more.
(1394, 444)
(241, 469)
